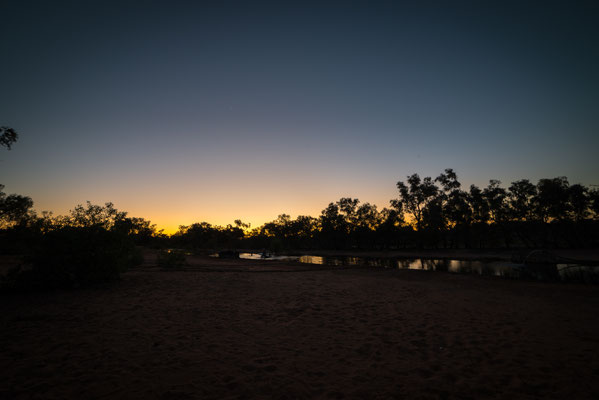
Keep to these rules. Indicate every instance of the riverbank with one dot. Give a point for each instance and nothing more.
(251, 329)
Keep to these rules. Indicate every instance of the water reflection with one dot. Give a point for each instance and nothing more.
(266, 256)
(312, 260)
(541, 272)
(579, 273)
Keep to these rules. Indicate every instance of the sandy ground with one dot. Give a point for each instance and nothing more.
(242, 329)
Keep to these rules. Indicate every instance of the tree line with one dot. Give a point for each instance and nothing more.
(428, 213)
(94, 243)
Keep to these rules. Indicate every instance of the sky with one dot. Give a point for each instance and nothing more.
(182, 112)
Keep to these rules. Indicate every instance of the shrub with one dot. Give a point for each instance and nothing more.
(170, 259)
(71, 257)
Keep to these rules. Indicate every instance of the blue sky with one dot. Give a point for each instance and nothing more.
(181, 112)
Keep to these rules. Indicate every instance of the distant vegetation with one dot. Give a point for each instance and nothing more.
(428, 213)
(95, 243)
(171, 258)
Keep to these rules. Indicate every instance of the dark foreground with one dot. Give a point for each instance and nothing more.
(239, 329)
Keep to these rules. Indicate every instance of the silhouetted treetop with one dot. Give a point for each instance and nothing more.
(8, 137)
(438, 213)
(448, 180)
(14, 208)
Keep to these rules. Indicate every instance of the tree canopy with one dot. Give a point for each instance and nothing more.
(8, 136)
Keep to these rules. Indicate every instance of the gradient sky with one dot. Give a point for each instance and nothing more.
(183, 112)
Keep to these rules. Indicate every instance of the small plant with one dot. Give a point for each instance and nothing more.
(171, 259)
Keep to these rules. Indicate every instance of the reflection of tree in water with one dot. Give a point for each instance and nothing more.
(578, 273)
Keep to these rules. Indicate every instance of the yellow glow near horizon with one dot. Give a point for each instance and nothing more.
(169, 228)
(168, 217)
(184, 199)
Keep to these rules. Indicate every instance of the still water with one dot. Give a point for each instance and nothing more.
(541, 272)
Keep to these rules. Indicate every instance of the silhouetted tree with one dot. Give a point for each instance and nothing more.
(140, 229)
(579, 202)
(347, 206)
(594, 202)
(8, 137)
(95, 215)
(367, 219)
(197, 235)
(480, 207)
(390, 229)
(415, 196)
(303, 229)
(552, 199)
(457, 211)
(495, 196)
(14, 208)
(280, 227)
(241, 225)
(520, 206)
(206, 236)
(433, 222)
(449, 180)
(521, 199)
(331, 226)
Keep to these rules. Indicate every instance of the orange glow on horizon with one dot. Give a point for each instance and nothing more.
(217, 202)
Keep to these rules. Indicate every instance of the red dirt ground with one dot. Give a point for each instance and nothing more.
(246, 329)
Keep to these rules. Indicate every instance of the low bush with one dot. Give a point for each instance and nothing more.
(72, 257)
(170, 259)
